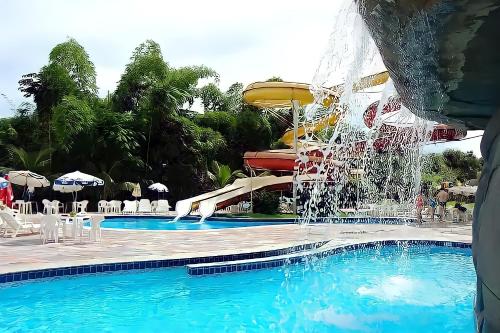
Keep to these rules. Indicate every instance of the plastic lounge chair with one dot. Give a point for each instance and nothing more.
(144, 206)
(15, 225)
(163, 206)
(130, 206)
(49, 228)
(3, 227)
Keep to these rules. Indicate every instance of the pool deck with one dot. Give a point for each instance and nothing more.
(26, 253)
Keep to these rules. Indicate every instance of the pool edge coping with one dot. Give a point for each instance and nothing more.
(65, 270)
(295, 255)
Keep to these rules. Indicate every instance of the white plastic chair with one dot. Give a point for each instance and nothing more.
(130, 206)
(49, 228)
(115, 206)
(163, 206)
(95, 229)
(82, 206)
(144, 206)
(154, 205)
(103, 206)
(57, 206)
(47, 206)
(15, 224)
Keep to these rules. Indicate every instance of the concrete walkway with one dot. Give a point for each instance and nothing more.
(26, 252)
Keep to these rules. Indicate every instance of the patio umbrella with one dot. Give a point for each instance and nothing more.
(28, 179)
(75, 181)
(136, 192)
(158, 187)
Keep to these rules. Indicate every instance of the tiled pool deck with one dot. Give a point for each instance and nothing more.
(25, 253)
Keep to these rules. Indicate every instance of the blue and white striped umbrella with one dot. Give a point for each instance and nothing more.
(78, 178)
(75, 181)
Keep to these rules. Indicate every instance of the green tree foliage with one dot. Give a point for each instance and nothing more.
(73, 58)
(36, 161)
(143, 131)
(221, 175)
(266, 202)
(72, 117)
(465, 165)
(451, 165)
(254, 131)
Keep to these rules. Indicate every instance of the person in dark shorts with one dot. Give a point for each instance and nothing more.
(442, 198)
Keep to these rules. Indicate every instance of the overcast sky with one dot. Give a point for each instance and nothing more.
(243, 41)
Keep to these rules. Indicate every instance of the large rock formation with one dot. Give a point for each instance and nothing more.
(444, 58)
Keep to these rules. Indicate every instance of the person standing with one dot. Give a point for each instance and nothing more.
(432, 207)
(419, 202)
(442, 198)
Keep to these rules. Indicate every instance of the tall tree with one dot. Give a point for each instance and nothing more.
(75, 60)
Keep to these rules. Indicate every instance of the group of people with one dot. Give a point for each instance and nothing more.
(438, 201)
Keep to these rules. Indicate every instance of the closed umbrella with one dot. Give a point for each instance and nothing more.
(158, 187)
(136, 192)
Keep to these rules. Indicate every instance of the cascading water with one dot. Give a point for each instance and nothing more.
(354, 172)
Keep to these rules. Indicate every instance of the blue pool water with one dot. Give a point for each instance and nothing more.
(389, 289)
(144, 223)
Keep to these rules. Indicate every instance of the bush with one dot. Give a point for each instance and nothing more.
(266, 202)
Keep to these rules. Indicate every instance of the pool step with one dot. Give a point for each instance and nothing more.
(256, 263)
(243, 265)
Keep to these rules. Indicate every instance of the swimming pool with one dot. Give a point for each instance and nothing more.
(145, 223)
(387, 289)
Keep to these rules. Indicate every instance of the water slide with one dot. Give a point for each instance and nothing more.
(272, 95)
(397, 126)
(282, 94)
(209, 202)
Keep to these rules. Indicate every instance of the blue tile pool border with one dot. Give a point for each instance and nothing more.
(148, 264)
(269, 262)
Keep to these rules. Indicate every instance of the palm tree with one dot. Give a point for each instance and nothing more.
(221, 174)
(35, 161)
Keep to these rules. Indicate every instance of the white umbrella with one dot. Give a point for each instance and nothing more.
(75, 181)
(28, 178)
(158, 187)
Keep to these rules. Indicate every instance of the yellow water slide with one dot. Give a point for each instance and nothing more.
(283, 94)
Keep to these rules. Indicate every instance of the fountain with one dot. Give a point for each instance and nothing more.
(444, 66)
(377, 152)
